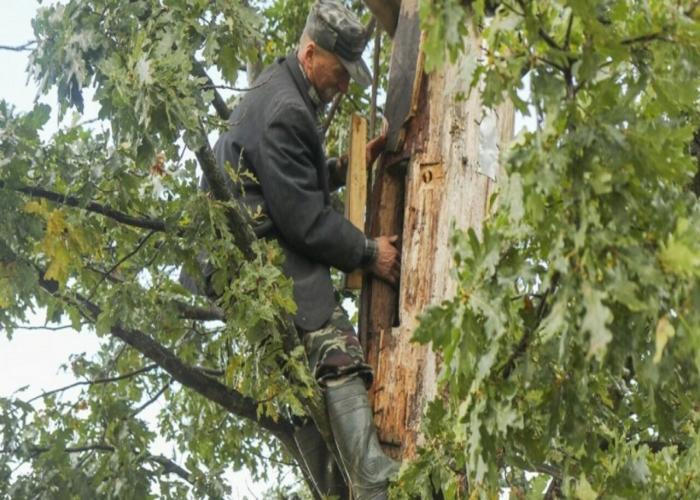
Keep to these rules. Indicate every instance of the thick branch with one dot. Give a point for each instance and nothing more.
(170, 467)
(187, 311)
(212, 389)
(239, 221)
(72, 201)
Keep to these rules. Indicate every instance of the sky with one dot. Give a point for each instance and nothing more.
(32, 357)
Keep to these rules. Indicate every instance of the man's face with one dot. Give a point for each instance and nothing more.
(328, 75)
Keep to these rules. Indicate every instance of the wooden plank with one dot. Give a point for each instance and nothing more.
(404, 72)
(356, 186)
(378, 302)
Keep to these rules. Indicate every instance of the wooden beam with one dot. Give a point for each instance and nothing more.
(356, 193)
(386, 12)
(405, 73)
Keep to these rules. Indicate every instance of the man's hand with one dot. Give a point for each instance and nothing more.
(387, 265)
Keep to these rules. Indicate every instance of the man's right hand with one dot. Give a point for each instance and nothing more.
(387, 265)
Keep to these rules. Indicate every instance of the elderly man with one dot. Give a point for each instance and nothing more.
(275, 135)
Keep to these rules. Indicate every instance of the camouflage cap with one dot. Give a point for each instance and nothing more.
(335, 28)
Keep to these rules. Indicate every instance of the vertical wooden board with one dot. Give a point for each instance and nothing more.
(403, 68)
(356, 184)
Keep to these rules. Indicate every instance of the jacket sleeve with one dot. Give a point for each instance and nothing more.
(297, 203)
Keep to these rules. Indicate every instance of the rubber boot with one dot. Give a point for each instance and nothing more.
(327, 478)
(367, 467)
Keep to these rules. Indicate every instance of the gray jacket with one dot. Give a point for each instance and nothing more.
(275, 135)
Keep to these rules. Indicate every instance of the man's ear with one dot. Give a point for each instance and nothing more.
(307, 52)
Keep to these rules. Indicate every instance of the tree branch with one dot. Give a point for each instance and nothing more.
(236, 89)
(49, 328)
(187, 311)
(332, 111)
(72, 201)
(219, 103)
(689, 11)
(567, 37)
(121, 261)
(527, 336)
(153, 399)
(228, 398)
(107, 380)
(548, 39)
(170, 467)
(239, 221)
(650, 37)
(25, 47)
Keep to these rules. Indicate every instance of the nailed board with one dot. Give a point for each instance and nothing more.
(356, 184)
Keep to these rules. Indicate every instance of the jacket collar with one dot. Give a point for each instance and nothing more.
(307, 91)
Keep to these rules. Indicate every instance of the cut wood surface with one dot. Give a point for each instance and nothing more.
(356, 185)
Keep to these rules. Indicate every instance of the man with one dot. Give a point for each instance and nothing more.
(275, 135)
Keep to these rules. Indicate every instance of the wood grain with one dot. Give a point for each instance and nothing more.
(356, 186)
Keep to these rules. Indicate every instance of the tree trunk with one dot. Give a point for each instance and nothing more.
(441, 177)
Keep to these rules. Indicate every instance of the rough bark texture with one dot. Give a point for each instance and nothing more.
(448, 173)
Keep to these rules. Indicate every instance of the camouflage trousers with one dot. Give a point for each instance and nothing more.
(334, 350)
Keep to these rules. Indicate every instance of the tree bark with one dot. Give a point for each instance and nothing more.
(441, 178)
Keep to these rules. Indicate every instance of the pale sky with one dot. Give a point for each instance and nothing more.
(33, 357)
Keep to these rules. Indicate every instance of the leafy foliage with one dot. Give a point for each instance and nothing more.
(97, 220)
(571, 349)
(572, 346)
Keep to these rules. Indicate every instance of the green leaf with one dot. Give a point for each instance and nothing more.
(584, 490)
(595, 321)
(664, 331)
